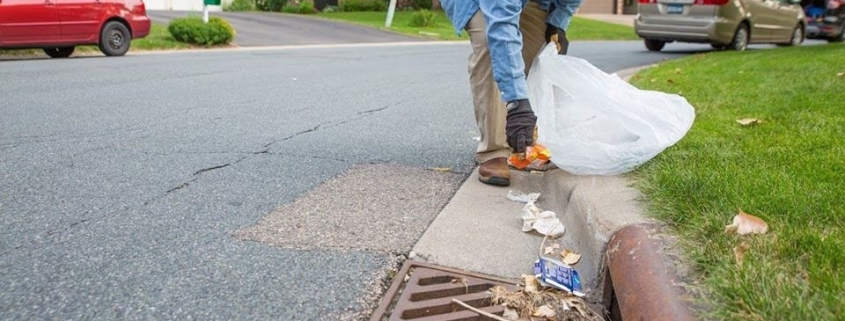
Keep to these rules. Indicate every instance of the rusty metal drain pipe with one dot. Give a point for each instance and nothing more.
(643, 286)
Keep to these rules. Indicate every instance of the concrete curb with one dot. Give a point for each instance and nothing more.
(627, 262)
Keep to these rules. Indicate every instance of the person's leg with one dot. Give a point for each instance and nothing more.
(489, 108)
(532, 23)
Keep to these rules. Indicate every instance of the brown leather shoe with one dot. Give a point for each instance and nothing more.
(495, 172)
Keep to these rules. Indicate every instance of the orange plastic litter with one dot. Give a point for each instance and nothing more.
(532, 153)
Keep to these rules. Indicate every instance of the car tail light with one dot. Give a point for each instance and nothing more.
(648, 1)
(712, 2)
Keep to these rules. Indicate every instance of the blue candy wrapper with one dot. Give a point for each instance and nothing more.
(556, 274)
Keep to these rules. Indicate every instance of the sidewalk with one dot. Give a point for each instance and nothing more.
(623, 253)
(622, 19)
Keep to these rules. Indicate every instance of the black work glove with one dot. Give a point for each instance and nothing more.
(519, 127)
(561, 38)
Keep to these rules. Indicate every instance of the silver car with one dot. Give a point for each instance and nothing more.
(725, 24)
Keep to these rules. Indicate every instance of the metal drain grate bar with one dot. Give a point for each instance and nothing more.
(428, 292)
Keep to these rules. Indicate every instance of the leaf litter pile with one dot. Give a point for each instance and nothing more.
(535, 303)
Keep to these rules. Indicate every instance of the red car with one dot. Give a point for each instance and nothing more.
(60, 25)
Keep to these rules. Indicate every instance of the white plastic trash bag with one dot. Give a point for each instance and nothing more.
(598, 124)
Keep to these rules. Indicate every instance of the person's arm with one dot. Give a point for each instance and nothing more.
(560, 15)
(505, 43)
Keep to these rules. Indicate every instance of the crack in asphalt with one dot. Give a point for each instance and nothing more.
(70, 226)
(211, 169)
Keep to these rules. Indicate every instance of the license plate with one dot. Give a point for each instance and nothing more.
(675, 8)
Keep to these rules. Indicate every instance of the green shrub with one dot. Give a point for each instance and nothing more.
(270, 5)
(304, 7)
(240, 5)
(422, 4)
(363, 5)
(261, 5)
(423, 18)
(192, 30)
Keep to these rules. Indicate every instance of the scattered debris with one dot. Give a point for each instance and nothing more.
(739, 252)
(749, 121)
(535, 156)
(551, 249)
(510, 314)
(544, 312)
(481, 312)
(544, 222)
(441, 169)
(677, 70)
(476, 138)
(534, 218)
(531, 283)
(840, 74)
(745, 223)
(548, 304)
(570, 257)
(670, 81)
(556, 274)
(523, 198)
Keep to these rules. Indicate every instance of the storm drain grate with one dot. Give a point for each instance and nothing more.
(427, 294)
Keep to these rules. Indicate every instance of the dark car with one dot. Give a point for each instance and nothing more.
(58, 26)
(825, 19)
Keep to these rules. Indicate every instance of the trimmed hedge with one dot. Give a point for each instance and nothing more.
(362, 5)
(304, 7)
(240, 5)
(192, 30)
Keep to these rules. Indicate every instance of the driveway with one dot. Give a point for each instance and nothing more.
(275, 29)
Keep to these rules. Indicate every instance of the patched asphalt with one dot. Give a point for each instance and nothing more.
(380, 207)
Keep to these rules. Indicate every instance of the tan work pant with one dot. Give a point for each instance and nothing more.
(489, 107)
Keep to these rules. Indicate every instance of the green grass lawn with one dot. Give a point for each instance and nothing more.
(788, 170)
(158, 39)
(580, 29)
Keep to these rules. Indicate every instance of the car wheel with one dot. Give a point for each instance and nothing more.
(839, 38)
(654, 45)
(60, 52)
(797, 36)
(740, 41)
(718, 47)
(115, 39)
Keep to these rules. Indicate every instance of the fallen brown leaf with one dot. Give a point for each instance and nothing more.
(745, 223)
(531, 284)
(544, 312)
(551, 249)
(840, 74)
(748, 121)
(510, 314)
(670, 81)
(739, 252)
(570, 257)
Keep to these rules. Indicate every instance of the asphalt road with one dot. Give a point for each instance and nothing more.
(124, 180)
(275, 29)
